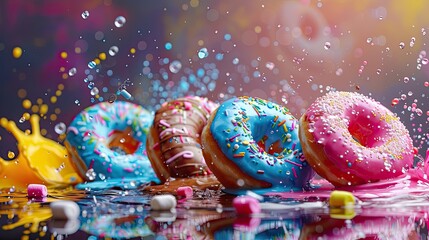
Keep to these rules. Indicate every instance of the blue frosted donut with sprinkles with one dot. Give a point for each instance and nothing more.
(251, 143)
(107, 141)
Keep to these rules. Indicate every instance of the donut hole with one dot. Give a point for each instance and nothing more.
(122, 142)
(367, 127)
(270, 148)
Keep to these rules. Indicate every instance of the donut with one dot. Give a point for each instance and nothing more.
(351, 139)
(173, 145)
(251, 143)
(107, 140)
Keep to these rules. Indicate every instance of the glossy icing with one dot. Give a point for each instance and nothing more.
(176, 140)
(92, 139)
(359, 136)
(261, 138)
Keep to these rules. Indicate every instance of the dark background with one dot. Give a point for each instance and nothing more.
(270, 49)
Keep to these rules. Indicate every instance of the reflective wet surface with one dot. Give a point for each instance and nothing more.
(209, 214)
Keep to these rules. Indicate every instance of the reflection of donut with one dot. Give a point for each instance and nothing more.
(252, 143)
(360, 227)
(116, 226)
(306, 29)
(350, 139)
(174, 143)
(254, 228)
(109, 138)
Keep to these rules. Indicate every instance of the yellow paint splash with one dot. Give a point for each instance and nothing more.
(40, 160)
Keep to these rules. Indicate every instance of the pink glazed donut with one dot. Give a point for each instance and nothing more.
(350, 139)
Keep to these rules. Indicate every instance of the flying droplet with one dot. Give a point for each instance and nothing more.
(327, 45)
(85, 14)
(175, 66)
(113, 50)
(120, 21)
(60, 128)
(92, 65)
(401, 45)
(112, 98)
(94, 91)
(72, 72)
(90, 174)
(270, 65)
(10, 154)
(17, 52)
(339, 72)
(425, 61)
(203, 53)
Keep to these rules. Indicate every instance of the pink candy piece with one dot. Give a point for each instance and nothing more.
(185, 192)
(246, 205)
(37, 190)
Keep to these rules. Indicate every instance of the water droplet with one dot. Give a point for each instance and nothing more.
(10, 154)
(369, 40)
(240, 182)
(112, 98)
(94, 91)
(235, 61)
(22, 119)
(85, 14)
(102, 176)
(419, 112)
(77, 102)
(203, 53)
(406, 79)
(387, 49)
(72, 72)
(401, 45)
(90, 174)
(426, 84)
(425, 61)
(60, 128)
(419, 66)
(12, 189)
(120, 21)
(270, 65)
(113, 50)
(175, 66)
(327, 45)
(91, 65)
(122, 140)
(378, 71)
(339, 72)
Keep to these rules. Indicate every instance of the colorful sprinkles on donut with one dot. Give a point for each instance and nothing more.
(351, 139)
(107, 140)
(261, 139)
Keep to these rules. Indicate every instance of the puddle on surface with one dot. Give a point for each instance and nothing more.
(126, 214)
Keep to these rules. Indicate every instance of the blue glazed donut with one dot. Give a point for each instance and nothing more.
(250, 143)
(107, 141)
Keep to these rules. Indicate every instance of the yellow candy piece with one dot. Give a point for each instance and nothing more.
(341, 199)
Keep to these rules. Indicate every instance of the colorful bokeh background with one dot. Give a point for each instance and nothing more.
(290, 52)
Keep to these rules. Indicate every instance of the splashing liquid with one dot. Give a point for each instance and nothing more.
(40, 160)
